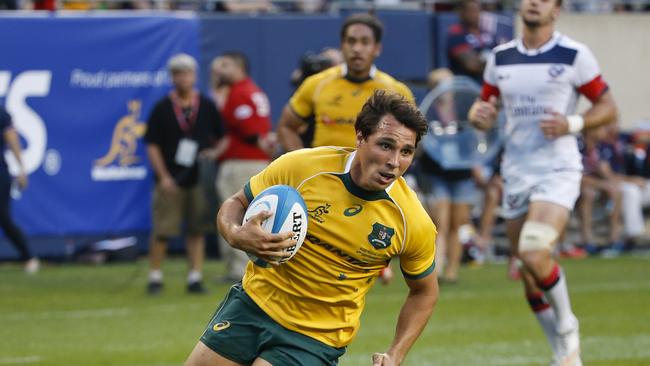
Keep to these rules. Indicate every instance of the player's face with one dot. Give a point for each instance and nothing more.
(383, 156)
(223, 70)
(537, 13)
(471, 14)
(183, 80)
(359, 49)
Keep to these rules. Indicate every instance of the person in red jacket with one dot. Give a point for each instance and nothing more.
(249, 140)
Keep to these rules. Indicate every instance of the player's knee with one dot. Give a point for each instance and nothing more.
(536, 236)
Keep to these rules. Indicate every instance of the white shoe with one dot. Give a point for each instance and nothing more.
(568, 348)
(32, 266)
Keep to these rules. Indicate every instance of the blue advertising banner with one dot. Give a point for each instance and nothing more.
(80, 90)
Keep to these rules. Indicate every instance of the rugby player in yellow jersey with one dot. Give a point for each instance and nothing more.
(333, 98)
(307, 310)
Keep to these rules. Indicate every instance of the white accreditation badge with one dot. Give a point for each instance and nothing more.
(186, 152)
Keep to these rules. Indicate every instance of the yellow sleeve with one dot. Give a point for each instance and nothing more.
(418, 258)
(302, 101)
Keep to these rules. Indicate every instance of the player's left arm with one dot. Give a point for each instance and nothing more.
(589, 82)
(413, 317)
(602, 111)
(13, 141)
(417, 262)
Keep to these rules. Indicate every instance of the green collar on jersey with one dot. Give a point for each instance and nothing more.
(353, 188)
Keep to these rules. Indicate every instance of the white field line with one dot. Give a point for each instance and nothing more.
(528, 353)
(573, 288)
(95, 313)
(20, 360)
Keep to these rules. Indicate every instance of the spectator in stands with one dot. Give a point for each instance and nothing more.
(8, 5)
(598, 178)
(467, 44)
(12, 231)
(491, 182)
(449, 192)
(335, 96)
(249, 140)
(635, 189)
(181, 125)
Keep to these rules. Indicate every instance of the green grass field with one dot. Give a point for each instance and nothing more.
(73, 315)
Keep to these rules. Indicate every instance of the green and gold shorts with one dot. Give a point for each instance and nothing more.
(241, 332)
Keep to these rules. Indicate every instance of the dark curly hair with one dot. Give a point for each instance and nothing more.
(384, 102)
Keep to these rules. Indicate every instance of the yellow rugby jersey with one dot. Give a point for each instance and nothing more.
(334, 101)
(352, 234)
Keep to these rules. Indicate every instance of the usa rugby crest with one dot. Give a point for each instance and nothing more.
(380, 236)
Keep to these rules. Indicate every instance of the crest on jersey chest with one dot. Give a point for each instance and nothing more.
(555, 71)
(380, 236)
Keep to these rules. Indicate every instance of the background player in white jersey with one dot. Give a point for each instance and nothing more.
(538, 78)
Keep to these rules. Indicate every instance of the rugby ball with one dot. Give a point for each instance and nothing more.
(289, 213)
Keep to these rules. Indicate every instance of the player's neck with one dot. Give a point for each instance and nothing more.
(535, 37)
(239, 78)
(185, 97)
(472, 28)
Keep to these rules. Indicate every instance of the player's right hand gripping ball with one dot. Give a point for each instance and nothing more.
(289, 213)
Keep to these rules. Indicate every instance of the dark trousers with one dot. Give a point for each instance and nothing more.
(13, 232)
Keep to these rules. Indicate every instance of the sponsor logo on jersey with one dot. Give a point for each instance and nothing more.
(318, 212)
(351, 211)
(119, 163)
(221, 326)
(327, 120)
(380, 236)
(336, 251)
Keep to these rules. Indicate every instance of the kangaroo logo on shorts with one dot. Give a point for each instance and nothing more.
(380, 236)
(221, 326)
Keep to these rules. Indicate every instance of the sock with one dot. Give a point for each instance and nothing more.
(555, 290)
(155, 275)
(545, 316)
(194, 276)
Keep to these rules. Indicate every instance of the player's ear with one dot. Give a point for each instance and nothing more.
(359, 139)
(378, 48)
(556, 12)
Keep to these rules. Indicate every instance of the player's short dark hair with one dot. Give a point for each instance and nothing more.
(558, 2)
(462, 4)
(382, 103)
(239, 58)
(366, 19)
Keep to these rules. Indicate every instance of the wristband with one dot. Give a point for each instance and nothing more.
(576, 123)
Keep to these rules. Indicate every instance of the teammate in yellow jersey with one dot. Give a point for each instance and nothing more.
(333, 98)
(307, 310)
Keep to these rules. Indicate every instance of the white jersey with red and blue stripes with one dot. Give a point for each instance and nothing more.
(533, 84)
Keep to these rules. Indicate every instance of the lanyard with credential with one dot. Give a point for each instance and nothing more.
(185, 122)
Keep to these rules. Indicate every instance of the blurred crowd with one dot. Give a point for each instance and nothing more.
(306, 6)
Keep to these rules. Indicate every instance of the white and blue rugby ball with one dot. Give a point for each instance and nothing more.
(289, 213)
